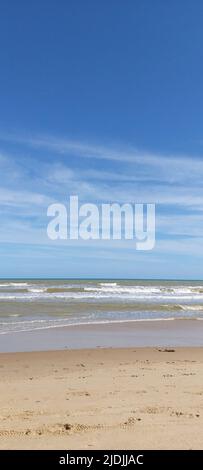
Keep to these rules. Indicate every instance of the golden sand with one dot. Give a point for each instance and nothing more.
(141, 398)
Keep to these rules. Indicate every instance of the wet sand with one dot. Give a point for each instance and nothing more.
(116, 335)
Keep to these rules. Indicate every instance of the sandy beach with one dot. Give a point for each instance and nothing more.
(149, 398)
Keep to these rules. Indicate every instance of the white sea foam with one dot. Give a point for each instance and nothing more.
(14, 315)
(191, 307)
(108, 284)
(37, 290)
(116, 294)
(13, 285)
(5, 284)
(45, 324)
(98, 303)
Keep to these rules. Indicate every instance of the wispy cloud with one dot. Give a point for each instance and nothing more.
(22, 198)
(30, 181)
(147, 165)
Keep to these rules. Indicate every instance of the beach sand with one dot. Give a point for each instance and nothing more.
(133, 398)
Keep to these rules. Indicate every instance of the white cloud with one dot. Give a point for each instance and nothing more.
(22, 198)
(169, 181)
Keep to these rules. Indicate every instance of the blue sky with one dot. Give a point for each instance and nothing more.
(104, 100)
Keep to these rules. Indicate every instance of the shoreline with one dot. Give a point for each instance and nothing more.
(149, 398)
(176, 333)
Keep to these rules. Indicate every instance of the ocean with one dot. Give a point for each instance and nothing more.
(27, 305)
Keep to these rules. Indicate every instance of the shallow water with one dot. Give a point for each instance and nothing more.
(28, 305)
